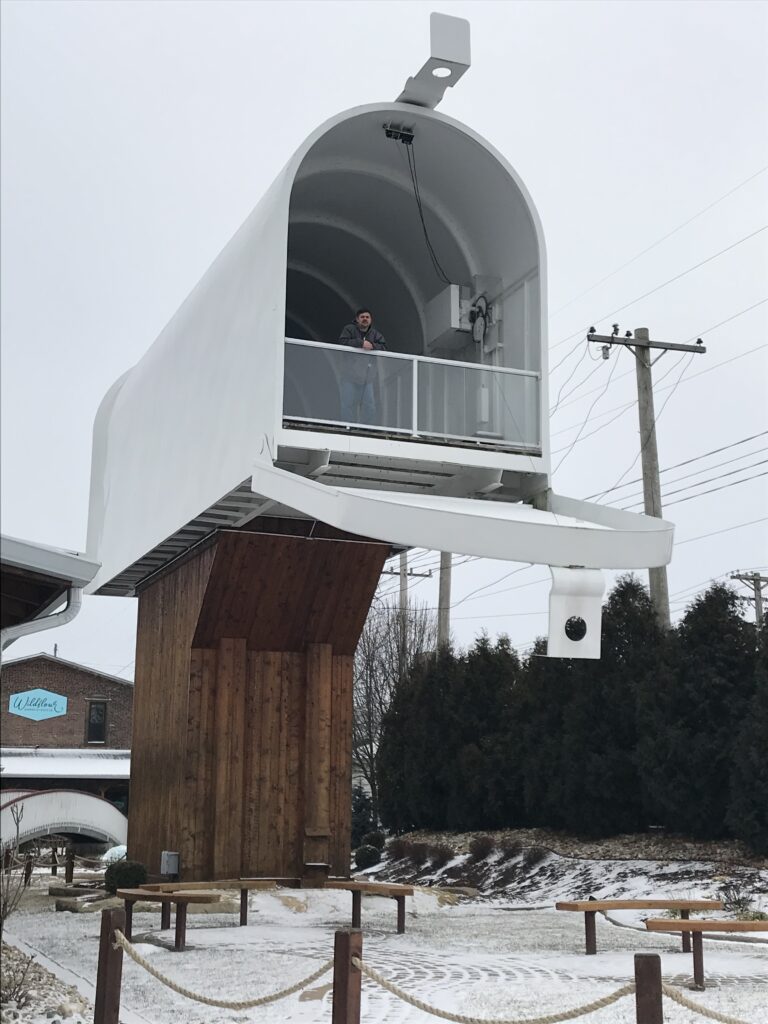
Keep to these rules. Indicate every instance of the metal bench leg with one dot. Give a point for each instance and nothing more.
(181, 927)
(165, 917)
(129, 919)
(400, 914)
(698, 961)
(243, 907)
(684, 916)
(590, 932)
(357, 900)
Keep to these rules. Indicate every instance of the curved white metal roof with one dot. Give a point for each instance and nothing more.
(181, 430)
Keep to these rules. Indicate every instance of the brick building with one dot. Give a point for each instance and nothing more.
(99, 707)
(64, 726)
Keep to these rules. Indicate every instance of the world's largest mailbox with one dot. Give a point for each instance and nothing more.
(251, 507)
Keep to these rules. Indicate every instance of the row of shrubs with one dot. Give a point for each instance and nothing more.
(437, 855)
(129, 874)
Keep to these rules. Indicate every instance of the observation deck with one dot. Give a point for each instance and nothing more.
(434, 401)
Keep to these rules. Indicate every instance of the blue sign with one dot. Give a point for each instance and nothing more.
(37, 704)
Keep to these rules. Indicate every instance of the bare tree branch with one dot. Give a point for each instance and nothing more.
(390, 643)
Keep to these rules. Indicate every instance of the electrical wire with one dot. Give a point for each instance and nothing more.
(671, 280)
(707, 330)
(694, 458)
(574, 389)
(706, 469)
(589, 411)
(723, 487)
(663, 238)
(652, 431)
(715, 533)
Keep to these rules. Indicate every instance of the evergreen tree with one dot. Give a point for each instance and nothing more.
(690, 712)
(362, 815)
(438, 760)
(577, 719)
(601, 787)
(748, 808)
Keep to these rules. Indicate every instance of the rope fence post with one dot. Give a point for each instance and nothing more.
(110, 971)
(648, 989)
(69, 867)
(346, 977)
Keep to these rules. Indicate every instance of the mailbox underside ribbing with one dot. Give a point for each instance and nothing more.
(242, 730)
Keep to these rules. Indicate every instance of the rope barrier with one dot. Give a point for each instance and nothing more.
(458, 1018)
(226, 1004)
(689, 1004)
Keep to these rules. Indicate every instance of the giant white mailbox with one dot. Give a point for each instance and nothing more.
(237, 407)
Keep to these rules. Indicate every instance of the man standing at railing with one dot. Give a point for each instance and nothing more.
(358, 400)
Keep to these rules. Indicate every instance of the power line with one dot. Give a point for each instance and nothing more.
(622, 409)
(655, 420)
(669, 281)
(723, 487)
(663, 238)
(695, 458)
(589, 411)
(715, 533)
(574, 389)
(707, 330)
(706, 469)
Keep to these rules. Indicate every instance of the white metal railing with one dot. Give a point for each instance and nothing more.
(415, 396)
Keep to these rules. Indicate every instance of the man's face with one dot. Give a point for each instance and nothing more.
(364, 320)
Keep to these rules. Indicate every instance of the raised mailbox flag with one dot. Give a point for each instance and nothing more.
(37, 704)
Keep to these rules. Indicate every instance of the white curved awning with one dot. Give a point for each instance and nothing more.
(573, 533)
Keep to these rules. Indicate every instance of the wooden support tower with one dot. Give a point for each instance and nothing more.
(241, 757)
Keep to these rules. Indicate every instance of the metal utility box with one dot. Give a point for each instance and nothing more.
(447, 319)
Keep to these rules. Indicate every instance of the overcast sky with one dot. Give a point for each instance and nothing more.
(137, 137)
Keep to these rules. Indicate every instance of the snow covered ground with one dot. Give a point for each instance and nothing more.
(489, 956)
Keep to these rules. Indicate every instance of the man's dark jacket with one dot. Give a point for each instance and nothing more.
(361, 370)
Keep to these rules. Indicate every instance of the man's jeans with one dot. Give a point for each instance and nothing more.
(357, 402)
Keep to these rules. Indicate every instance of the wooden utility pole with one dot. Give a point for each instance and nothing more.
(756, 582)
(641, 346)
(444, 601)
(404, 572)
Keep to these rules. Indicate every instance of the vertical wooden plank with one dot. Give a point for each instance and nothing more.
(229, 771)
(252, 796)
(341, 767)
(168, 611)
(295, 778)
(317, 823)
(281, 787)
(199, 794)
(267, 713)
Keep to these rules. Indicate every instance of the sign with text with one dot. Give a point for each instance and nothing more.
(37, 704)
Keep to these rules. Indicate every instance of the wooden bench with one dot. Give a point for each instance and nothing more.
(590, 907)
(695, 929)
(245, 885)
(393, 891)
(165, 899)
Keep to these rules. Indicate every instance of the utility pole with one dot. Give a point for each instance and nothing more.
(444, 601)
(641, 346)
(404, 572)
(756, 582)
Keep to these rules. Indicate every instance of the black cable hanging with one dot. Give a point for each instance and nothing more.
(411, 154)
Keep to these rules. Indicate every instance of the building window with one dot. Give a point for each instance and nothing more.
(96, 722)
